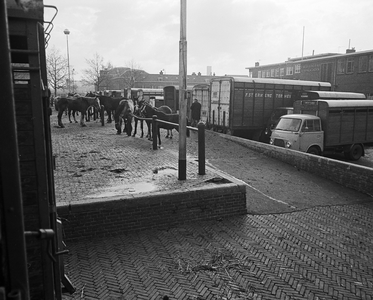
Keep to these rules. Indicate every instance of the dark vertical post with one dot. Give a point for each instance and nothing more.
(102, 114)
(182, 92)
(201, 149)
(154, 132)
(11, 210)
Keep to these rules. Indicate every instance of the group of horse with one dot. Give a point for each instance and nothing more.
(141, 111)
(76, 103)
(122, 110)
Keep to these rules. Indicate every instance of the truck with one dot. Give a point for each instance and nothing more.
(342, 126)
(306, 95)
(241, 106)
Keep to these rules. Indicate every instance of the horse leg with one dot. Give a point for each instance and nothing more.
(87, 115)
(129, 126)
(159, 137)
(118, 126)
(82, 116)
(69, 114)
(149, 135)
(109, 115)
(74, 112)
(60, 112)
(142, 128)
(135, 131)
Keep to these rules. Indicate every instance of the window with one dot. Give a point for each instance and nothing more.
(311, 125)
(277, 72)
(341, 64)
(282, 72)
(259, 74)
(297, 68)
(289, 70)
(363, 63)
(350, 65)
(264, 74)
(268, 73)
(272, 72)
(370, 69)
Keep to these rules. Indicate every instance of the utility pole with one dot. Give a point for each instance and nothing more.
(303, 43)
(182, 91)
(67, 32)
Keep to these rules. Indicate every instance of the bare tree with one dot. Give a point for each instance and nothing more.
(56, 70)
(132, 75)
(92, 73)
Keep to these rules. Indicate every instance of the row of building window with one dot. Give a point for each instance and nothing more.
(347, 66)
(344, 66)
(279, 72)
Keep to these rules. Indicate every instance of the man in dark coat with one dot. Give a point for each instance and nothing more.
(196, 112)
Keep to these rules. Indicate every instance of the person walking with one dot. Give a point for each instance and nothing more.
(196, 112)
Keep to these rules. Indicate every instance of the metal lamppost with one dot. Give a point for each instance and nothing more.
(67, 32)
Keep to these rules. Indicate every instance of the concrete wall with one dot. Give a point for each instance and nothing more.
(159, 210)
(356, 177)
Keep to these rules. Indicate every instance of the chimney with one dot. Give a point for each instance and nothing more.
(352, 50)
(257, 64)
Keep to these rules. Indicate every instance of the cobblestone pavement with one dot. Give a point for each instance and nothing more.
(304, 237)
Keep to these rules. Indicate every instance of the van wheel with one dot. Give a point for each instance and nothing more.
(314, 150)
(356, 152)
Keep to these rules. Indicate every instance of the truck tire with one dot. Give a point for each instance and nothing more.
(314, 150)
(355, 152)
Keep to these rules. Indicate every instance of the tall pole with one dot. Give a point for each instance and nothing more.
(67, 32)
(182, 91)
(303, 43)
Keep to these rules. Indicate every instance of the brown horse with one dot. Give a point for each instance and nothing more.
(110, 105)
(123, 114)
(80, 104)
(163, 113)
(137, 118)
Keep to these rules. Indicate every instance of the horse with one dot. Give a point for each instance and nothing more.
(124, 113)
(137, 113)
(110, 105)
(149, 111)
(80, 104)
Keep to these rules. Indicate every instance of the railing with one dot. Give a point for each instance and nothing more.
(201, 138)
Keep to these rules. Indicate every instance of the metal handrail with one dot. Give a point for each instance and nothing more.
(201, 139)
(50, 25)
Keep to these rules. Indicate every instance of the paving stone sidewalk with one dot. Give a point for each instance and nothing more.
(316, 253)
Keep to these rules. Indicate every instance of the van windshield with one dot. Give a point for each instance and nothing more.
(289, 124)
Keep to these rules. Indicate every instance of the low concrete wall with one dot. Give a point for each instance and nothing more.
(356, 177)
(160, 210)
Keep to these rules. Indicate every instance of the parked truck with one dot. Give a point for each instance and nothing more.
(241, 106)
(307, 95)
(343, 125)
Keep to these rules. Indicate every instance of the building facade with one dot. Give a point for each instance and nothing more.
(349, 72)
(123, 78)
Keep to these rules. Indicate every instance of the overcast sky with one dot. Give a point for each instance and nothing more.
(228, 35)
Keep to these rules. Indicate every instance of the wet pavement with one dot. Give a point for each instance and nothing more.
(303, 237)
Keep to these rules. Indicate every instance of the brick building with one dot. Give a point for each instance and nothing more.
(349, 72)
(121, 78)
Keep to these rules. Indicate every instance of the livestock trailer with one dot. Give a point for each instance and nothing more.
(242, 106)
(171, 98)
(201, 92)
(343, 125)
(30, 264)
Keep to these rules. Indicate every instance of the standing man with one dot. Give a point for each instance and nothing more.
(196, 112)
